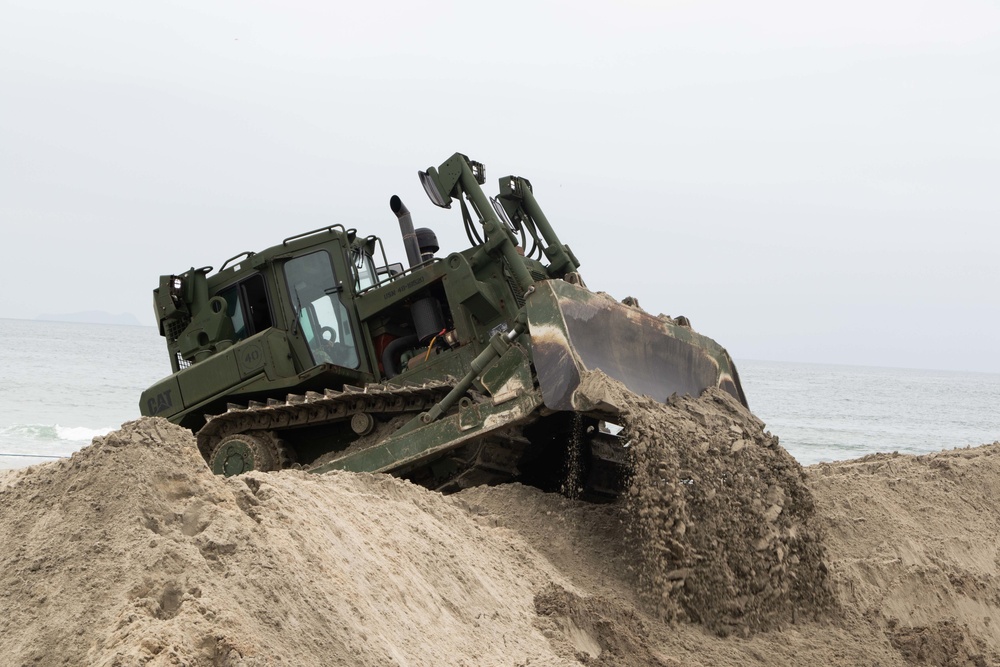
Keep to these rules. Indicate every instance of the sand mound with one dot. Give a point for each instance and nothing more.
(912, 545)
(132, 553)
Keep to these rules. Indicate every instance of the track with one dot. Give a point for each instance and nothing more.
(313, 409)
(561, 453)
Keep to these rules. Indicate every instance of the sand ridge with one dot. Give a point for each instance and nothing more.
(132, 553)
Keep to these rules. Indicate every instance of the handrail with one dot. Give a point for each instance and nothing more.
(378, 242)
(399, 275)
(247, 253)
(328, 228)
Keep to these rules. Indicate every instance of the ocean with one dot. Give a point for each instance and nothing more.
(63, 383)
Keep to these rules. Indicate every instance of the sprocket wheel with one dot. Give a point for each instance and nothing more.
(243, 452)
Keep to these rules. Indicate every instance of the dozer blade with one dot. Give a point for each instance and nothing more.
(574, 331)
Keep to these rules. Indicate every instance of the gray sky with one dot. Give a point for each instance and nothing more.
(805, 181)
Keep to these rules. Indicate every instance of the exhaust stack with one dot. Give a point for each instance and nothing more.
(406, 227)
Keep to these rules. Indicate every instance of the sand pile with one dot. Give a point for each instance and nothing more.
(913, 548)
(132, 553)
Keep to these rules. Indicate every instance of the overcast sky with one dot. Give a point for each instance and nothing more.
(806, 181)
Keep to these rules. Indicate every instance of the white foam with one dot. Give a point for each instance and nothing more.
(80, 433)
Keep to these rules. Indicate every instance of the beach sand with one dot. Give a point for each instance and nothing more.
(728, 553)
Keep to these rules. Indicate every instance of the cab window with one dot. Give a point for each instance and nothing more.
(247, 306)
(322, 317)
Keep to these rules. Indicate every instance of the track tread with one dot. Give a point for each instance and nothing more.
(315, 408)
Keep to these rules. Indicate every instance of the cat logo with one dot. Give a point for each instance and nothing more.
(159, 403)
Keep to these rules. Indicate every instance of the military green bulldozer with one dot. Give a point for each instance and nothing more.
(472, 368)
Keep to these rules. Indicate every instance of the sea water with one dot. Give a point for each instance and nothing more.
(830, 413)
(61, 384)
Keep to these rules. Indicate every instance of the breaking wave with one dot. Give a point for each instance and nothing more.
(81, 433)
(44, 440)
(53, 432)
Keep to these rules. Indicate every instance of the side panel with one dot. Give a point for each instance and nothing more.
(265, 356)
(208, 378)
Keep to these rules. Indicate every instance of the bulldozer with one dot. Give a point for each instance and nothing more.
(477, 367)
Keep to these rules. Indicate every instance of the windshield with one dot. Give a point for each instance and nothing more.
(322, 317)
